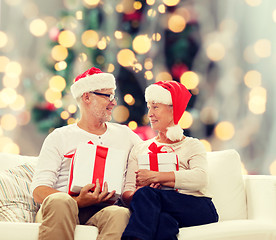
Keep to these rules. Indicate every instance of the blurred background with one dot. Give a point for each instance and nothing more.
(222, 51)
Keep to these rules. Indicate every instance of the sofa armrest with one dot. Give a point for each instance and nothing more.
(261, 197)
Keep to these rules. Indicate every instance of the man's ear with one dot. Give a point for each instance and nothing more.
(86, 97)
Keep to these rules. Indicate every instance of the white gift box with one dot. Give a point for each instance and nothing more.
(91, 162)
(161, 162)
(166, 162)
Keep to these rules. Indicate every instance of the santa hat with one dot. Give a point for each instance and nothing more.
(170, 93)
(91, 80)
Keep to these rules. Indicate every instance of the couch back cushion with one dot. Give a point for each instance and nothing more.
(8, 160)
(226, 184)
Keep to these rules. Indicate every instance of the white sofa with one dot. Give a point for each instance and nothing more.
(246, 204)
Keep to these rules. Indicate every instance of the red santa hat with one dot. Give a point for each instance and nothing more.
(91, 80)
(170, 93)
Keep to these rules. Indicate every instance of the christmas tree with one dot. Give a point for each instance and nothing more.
(140, 42)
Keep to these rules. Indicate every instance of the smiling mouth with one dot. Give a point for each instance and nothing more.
(153, 121)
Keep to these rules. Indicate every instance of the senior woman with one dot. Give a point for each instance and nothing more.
(162, 202)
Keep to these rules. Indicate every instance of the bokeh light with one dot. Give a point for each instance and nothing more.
(59, 53)
(10, 147)
(18, 104)
(272, 168)
(171, 3)
(52, 96)
(189, 79)
(129, 99)
(137, 5)
(8, 95)
(11, 82)
(186, 120)
(38, 27)
(164, 76)
(141, 44)
(148, 75)
(215, 51)
(253, 3)
(90, 38)
(262, 48)
(162, 8)
(156, 37)
(253, 79)
(224, 130)
(72, 108)
(3, 63)
(176, 23)
(13, 69)
(257, 100)
(126, 57)
(91, 3)
(132, 125)
(64, 115)
(57, 83)
(150, 2)
(8, 122)
(206, 144)
(67, 39)
(59, 66)
(274, 15)
(120, 113)
(3, 39)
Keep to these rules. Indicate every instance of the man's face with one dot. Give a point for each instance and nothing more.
(101, 106)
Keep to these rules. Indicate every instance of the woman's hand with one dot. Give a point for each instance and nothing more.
(146, 177)
(156, 185)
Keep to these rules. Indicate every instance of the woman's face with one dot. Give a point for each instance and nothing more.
(160, 116)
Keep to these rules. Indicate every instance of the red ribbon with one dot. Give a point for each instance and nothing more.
(153, 160)
(99, 165)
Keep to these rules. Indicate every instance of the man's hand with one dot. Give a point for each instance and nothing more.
(88, 198)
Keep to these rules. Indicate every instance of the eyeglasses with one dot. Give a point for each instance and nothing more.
(110, 96)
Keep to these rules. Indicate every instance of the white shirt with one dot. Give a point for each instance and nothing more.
(53, 166)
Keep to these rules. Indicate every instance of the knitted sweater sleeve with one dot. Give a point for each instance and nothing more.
(192, 175)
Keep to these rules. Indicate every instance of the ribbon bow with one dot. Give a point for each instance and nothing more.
(154, 150)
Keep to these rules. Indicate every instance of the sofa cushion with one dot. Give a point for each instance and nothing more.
(16, 202)
(226, 184)
(9, 160)
(230, 230)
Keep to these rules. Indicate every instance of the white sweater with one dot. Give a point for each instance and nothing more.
(53, 167)
(192, 176)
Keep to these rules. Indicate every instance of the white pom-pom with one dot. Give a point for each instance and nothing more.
(174, 133)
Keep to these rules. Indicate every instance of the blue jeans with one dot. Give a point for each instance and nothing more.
(158, 214)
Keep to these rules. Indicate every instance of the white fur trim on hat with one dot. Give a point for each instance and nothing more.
(174, 133)
(158, 94)
(93, 82)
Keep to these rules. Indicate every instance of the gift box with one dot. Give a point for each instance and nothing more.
(91, 162)
(161, 162)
